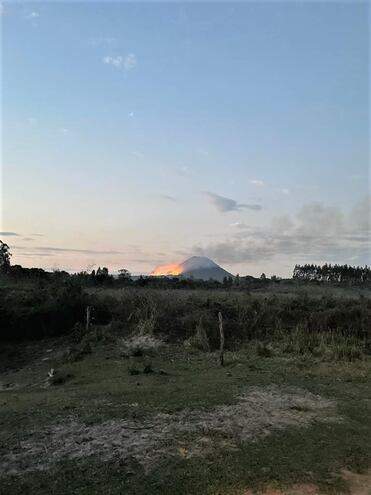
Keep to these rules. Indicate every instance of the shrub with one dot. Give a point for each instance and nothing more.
(42, 313)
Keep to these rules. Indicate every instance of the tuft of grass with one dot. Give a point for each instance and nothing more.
(326, 346)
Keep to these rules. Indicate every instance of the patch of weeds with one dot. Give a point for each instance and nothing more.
(139, 345)
(59, 377)
(148, 369)
(77, 333)
(327, 346)
(264, 350)
(79, 350)
(133, 370)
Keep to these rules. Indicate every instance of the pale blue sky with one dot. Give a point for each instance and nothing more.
(127, 125)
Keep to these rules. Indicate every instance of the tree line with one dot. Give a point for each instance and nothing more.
(332, 273)
(102, 277)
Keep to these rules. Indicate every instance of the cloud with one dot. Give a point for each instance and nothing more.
(131, 114)
(360, 216)
(115, 61)
(257, 182)
(316, 234)
(9, 234)
(223, 204)
(64, 130)
(49, 249)
(129, 62)
(37, 255)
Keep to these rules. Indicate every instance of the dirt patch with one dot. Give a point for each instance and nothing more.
(358, 484)
(257, 413)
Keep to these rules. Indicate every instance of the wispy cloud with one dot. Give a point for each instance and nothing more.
(35, 254)
(115, 61)
(166, 197)
(31, 16)
(257, 182)
(64, 130)
(9, 234)
(50, 249)
(223, 204)
(128, 62)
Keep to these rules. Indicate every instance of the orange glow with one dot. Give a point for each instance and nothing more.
(173, 269)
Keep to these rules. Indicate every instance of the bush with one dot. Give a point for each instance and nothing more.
(43, 313)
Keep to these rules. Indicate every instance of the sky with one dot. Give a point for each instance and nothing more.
(138, 134)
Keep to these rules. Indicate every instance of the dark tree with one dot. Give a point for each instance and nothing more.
(4, 256)
(124, 274)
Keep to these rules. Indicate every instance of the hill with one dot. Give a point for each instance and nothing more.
(198, 267)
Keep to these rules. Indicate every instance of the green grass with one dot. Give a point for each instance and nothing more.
(101, 388)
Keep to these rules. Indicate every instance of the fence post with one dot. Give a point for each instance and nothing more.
(88, 315)
(221, 331)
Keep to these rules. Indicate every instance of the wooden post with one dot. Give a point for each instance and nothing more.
(221, 330)
(88, 314)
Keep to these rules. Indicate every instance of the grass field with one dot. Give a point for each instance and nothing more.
(174, 422)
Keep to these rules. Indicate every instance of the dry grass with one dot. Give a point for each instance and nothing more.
(189, 433)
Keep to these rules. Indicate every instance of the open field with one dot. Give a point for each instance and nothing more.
(133, 409)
